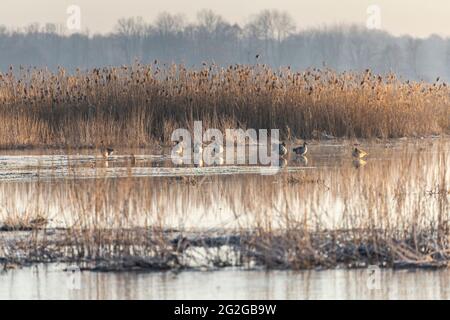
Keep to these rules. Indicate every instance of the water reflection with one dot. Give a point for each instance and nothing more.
(359, 163)
(303, 160)
(49, 282)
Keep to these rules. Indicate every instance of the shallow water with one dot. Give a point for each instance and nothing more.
(50, 282)
(328, 189)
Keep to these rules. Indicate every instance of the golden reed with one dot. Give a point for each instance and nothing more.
(141, 105)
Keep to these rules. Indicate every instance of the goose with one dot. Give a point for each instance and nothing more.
(282, 150)
(358, 153)
(302, 150)
(106, 151)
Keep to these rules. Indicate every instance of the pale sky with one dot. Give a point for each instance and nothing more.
(415, 17)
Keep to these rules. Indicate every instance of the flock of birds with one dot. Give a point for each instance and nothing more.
(198, 148)
(303, 149)
(217, 150)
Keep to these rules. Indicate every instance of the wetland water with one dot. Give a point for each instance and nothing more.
(402, 185)
(328, 189)
(50, 282)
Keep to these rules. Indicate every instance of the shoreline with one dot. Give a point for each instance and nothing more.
(158, 145)
(216, 250)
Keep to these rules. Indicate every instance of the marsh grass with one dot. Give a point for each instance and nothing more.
(141, 105)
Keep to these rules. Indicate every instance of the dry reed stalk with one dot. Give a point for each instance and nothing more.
(142, 104)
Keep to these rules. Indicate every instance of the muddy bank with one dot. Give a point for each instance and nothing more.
(150, 250)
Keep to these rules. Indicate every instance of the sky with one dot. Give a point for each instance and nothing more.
(414, 17)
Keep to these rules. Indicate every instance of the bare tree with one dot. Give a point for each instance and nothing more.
(412, 50)
(130, 26)
(283, 25)
(130, 32)
(167, 23)
(208, 20)
(270, 37)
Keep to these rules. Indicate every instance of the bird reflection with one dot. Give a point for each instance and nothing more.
(218, 161)
(359, 163)
(283, 163)
(177, 161)
(198, 163)
(303, 160)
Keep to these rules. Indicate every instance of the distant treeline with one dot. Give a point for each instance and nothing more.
(270, 37)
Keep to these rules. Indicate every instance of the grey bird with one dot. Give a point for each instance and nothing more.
(302, 150)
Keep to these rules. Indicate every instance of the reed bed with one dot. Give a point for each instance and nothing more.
(141, 105)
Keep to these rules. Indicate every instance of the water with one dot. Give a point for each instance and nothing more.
(50, 282)
(328, 189)
(402, 185)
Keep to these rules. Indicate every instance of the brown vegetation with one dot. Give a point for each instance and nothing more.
(142, 104)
